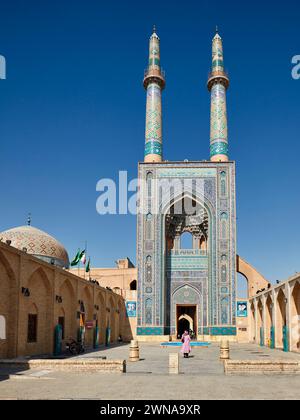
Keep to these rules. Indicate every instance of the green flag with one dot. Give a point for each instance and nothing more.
(76, 259)
(81, 254)
(87, 268)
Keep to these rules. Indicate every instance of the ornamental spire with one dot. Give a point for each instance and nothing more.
(154, 83)
(218, 83)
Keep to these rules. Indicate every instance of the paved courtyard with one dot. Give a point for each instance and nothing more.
(201, 377)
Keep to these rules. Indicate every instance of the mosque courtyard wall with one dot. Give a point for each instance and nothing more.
(36, 296)
(275, 316)
(122, 280)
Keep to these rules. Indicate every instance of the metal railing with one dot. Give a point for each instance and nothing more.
(187, 252)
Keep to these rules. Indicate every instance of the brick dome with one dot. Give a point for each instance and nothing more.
(37, 243)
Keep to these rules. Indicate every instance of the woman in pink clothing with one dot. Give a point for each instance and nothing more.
(186, 347)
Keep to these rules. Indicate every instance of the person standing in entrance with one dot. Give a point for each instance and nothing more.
(186, 346)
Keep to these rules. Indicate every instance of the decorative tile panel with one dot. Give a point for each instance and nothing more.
(216, 291)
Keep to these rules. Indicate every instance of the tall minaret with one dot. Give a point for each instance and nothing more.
(217, 84)
(154, 82)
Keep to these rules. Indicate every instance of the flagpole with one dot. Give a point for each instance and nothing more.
(78, 264)
(90, 268)
(85, 251)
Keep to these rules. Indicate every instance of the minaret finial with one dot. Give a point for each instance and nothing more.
(154, 29)
(29, 219)
(217, 29)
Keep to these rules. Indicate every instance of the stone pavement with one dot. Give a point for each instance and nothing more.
(201, 377)
(203, 360)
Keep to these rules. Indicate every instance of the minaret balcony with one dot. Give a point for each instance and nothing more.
(217, 77)
(153, 75)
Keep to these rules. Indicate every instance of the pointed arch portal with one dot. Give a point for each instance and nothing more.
(186, 319)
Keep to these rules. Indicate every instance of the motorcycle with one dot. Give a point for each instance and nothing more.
(75, 347)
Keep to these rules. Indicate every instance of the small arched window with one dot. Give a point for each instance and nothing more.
(32, 328)
(186, 240)
(133, 285)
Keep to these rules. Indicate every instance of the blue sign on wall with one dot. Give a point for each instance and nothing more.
(242, 309)
(131, 309)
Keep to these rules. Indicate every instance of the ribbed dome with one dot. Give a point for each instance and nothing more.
(37, 243)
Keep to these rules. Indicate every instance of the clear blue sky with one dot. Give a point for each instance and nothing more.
(72, 111)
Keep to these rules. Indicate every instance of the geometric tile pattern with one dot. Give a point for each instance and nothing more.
(219, 331)
(218, 121)
(153, 120)
(37, 243)
(211, 276)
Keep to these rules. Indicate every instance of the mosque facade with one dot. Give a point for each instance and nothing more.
(179, 286)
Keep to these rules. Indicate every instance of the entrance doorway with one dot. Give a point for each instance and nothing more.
(186, 319)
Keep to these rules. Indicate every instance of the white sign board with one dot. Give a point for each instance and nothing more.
(2, 328)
